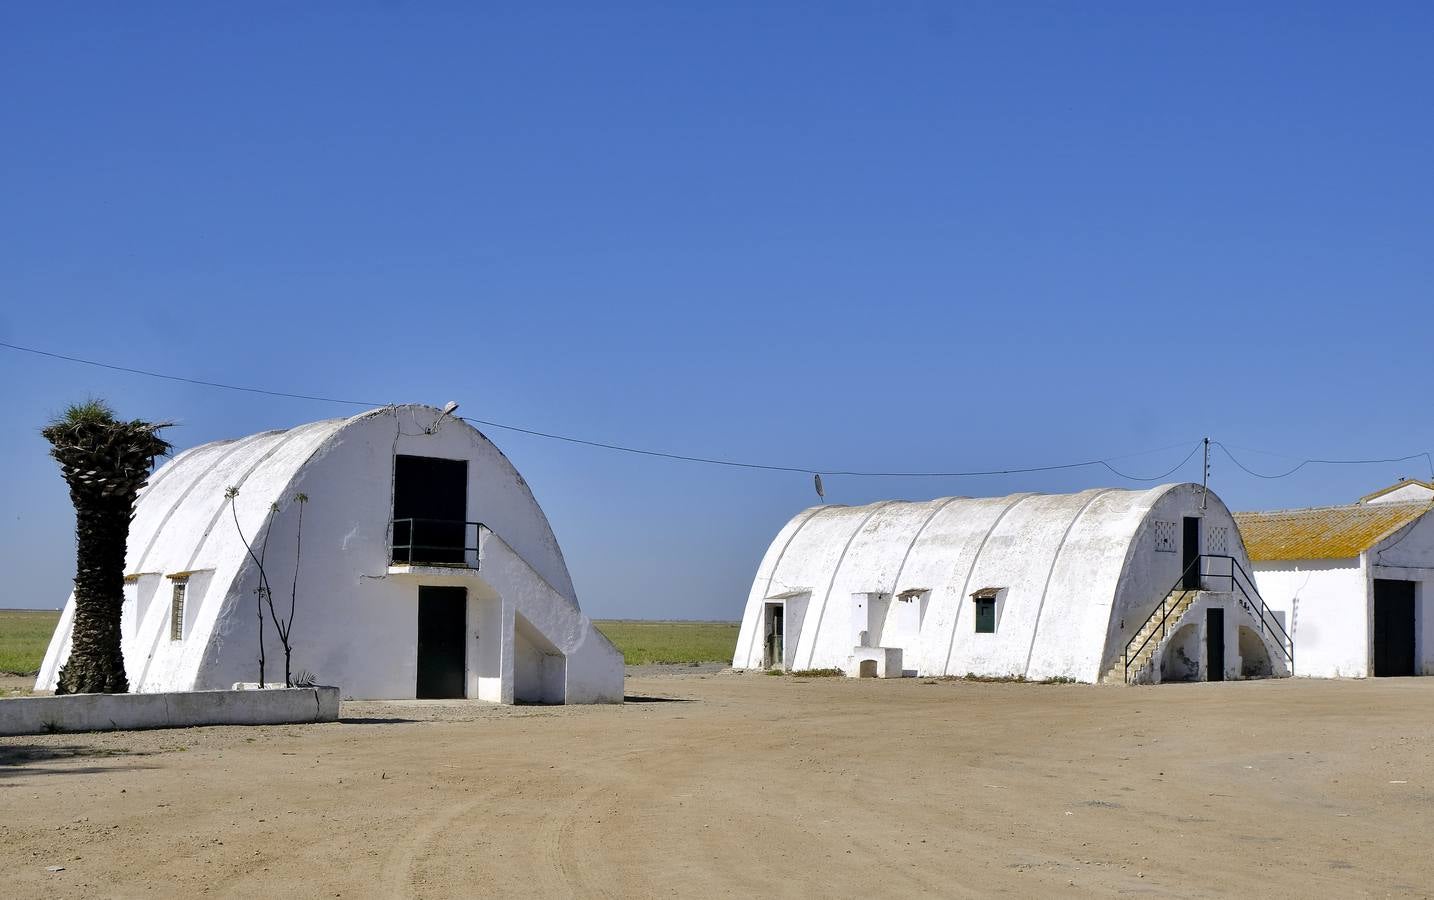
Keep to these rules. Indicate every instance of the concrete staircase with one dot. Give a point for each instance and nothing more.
(1152, 635)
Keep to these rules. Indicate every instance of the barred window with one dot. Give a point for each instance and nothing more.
(176, 612)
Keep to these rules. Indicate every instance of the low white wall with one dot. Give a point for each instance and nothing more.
(125, 712)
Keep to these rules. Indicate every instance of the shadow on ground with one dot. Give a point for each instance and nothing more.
(29, 759)
(376, 720)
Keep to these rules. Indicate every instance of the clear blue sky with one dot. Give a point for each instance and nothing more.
(884, 235)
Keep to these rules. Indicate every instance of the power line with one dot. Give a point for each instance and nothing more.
(809, 470)
(1423, 454)
(609, 446)
(1105, 462)
(181, 378)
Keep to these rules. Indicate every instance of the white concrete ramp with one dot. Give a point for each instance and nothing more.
(539, 623)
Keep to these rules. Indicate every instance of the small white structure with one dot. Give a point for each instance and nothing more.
(1105, 584)
(1352, 582)
(401, 593)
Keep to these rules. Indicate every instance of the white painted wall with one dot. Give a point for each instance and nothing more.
(1326, 607)
(1409, 493)
(356, 622)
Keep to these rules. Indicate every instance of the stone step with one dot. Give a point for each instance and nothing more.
(1148, 635)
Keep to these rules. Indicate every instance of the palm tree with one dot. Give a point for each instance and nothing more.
(105, 462)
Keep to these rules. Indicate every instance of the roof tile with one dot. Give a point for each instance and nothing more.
(1324, 532)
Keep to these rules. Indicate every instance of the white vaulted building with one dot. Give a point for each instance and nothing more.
(1102, 585)
(427, 569)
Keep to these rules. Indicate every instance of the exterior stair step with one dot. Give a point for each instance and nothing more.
(1178, 602)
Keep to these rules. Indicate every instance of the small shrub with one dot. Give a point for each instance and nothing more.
(1010, 679)
(993, 679)
(818, 673)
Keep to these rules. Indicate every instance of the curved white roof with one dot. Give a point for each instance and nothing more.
(177, 511)
(1060, 562)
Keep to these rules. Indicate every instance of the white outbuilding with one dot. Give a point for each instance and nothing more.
(426, 569)
(1353, 582)
(1102, 585)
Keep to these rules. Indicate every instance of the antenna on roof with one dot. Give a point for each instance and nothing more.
(1205, 480)
(817, 483)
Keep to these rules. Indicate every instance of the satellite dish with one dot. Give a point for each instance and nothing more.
(821, 492)
(449, 407)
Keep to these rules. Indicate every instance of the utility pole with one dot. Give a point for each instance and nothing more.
(1205, 480)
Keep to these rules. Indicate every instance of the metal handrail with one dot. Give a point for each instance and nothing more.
(462, 548)
(1164, 605)
(1264, 614)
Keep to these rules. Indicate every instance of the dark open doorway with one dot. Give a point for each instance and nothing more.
(442, 627)
(1190, 554)
(1214, 643)
(430, 506)
(775, 633)
(1393, 627)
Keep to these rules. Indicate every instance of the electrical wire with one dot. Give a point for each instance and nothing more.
(1423, 454)
(805, 470)
(180, 378)
(1105, 462)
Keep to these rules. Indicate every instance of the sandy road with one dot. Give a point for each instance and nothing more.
(745, 785)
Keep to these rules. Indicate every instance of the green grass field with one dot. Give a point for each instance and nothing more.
(24, 635)
(643, 642)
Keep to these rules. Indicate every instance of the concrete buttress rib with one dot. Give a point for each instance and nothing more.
(777, 564)
(896, 581)
(1056, 558)
(966, 582)
(836, 570)
(277, 442)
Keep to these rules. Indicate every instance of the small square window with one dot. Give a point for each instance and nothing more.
(985, 615)
(1165, 537)
(176, 612)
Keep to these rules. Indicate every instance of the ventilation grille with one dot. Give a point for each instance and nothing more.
(1165, 537)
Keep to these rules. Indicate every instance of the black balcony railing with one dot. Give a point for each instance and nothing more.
(434, 542)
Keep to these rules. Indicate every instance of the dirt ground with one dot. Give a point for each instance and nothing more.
(723, 784)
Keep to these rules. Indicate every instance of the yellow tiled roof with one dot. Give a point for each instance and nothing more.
(1324, 532)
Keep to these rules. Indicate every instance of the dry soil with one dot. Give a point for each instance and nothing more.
(748, 785)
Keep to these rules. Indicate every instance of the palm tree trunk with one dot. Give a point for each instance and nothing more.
(96, 665)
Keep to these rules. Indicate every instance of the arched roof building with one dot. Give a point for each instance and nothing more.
(1030, 585)
(427, 568)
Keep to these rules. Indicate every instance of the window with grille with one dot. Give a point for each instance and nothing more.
(1219, 541)
(176, 612)
(1165, 537)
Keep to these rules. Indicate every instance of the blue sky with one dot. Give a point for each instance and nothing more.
(839, 236)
